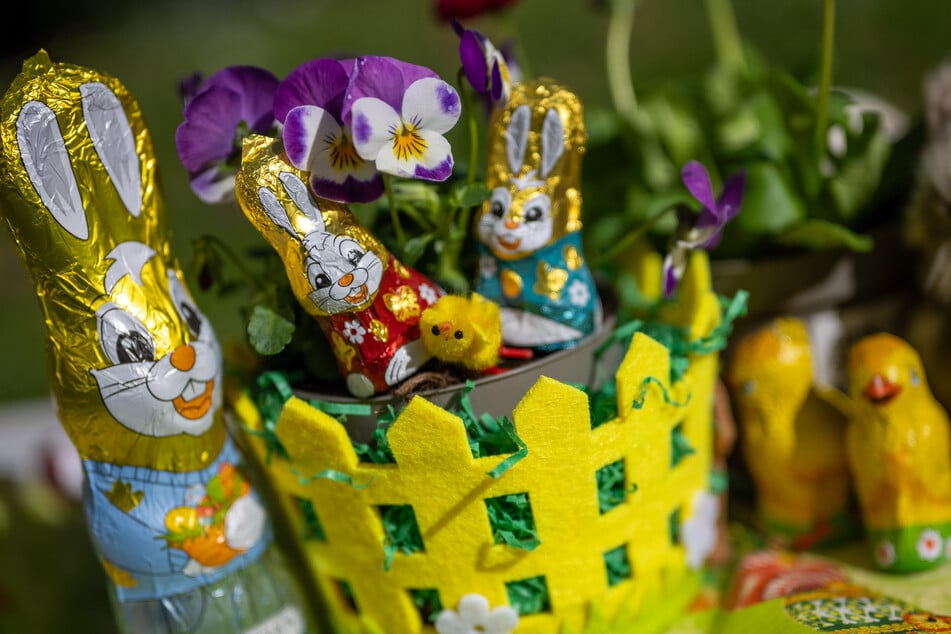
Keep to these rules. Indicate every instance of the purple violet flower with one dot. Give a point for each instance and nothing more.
(233, 103)
(316, 105)
(399, 115)
(484, 65)
(317, 136)
(707, 230)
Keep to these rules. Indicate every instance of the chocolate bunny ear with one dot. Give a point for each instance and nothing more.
(114, 141)
(47, 166)
(516, 137)
(308, 217)
(77, 165)
(552, 141)
(46, 158)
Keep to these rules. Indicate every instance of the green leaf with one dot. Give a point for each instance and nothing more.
(676, 125)
(414, 249)
(858, 178)
(821, 235)
(268, 332)
(770, 206)
(470, 195)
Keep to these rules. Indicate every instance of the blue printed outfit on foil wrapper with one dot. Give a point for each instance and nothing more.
(554, 282)
(133, 541)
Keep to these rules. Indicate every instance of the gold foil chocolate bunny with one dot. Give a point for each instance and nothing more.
(367, 303)
(532, 262)
(135, 366)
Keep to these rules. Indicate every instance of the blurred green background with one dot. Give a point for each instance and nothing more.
(882, 45)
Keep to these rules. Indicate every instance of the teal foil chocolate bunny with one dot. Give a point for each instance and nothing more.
(531, 257)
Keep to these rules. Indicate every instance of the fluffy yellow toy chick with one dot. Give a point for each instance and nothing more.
(466, 331)
(792, 434)
(900, 454)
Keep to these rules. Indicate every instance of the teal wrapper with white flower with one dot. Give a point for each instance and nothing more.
(552, 291)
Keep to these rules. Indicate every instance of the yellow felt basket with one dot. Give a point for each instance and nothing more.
(435, 474)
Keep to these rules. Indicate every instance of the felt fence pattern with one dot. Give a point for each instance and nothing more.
(436, 475)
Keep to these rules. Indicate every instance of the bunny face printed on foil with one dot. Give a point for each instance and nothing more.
(367, 303)
(529, 230)
(135, 367)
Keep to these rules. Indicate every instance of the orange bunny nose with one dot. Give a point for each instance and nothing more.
(346, 279)
(511, 223)
(183, 358)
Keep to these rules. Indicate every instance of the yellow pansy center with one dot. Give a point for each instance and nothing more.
(407, 143)
(343, 156)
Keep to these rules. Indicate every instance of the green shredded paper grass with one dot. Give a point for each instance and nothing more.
(311, 528)
(617, 565)
(512, 522)
(611, 491)
(401, 532)
(529, 596)
(427, 603)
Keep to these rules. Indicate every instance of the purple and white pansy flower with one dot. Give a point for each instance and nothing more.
(317, 136)
(233, 103)
(399, 125)
(317, 104)
(707, 230)
(484, 66)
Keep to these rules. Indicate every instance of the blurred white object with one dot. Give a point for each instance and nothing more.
(33, 446)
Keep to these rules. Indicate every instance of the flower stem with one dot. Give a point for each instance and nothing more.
(825, 76)
(224, 248)
(726, 35)
(511, 34)
(394, 214)
(630, 238)
(473, 127)
(618, 51)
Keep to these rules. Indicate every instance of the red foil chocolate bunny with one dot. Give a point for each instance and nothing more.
(366, 301)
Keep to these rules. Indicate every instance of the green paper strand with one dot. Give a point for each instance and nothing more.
(330, 474)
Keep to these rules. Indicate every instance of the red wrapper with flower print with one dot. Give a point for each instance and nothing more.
(366, 301)
(376, 345)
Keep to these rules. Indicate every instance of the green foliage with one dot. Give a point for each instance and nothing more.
(269, 332)
(756, 118)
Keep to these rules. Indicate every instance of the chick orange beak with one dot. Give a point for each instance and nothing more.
(444, 329)
(880, 391)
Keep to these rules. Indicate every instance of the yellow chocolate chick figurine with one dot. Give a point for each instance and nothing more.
(900, 455)
(466, 331)
(792, 434)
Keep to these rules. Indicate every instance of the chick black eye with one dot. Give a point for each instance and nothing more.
(457, 334)
(354, 256)
(533, 214)
(749, 387)
(435, 330)
(321, 281)
(497, 210)
(914, 378)
(192, 319)
(133, 347)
